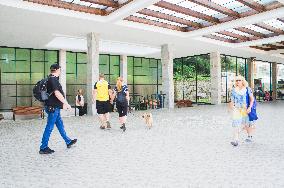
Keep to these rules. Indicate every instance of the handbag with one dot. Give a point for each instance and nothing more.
(252, 115)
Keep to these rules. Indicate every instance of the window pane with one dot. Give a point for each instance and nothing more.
(261, 79)
(130, 61)
(203, 78)
(22, 60)
(189, 78)
(104, 66)
(241, 67)
(114, 69)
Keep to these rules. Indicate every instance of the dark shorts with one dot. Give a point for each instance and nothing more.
(122, 109)
(102, 107)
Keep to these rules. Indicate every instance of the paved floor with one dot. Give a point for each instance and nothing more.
(187, 147)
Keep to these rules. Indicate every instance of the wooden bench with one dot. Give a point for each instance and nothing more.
(28, 110)
(184, 103)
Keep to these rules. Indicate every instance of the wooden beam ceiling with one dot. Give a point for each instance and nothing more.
(270, 47)
(160, 15)
(253, 5)
(273, 5)
(155, 23)
(241, 38)
(261, 48)
(216, 7)
(270, 28)
(220, 38)
(107, 3)
(70, 6)
(186, 11)
(251, 32)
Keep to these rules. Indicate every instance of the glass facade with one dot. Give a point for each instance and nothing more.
(262, 79)
(144, 77)
(20, 70)
(230, 67)
(280, 81)
(192, 78)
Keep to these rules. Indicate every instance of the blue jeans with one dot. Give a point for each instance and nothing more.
(53, 118)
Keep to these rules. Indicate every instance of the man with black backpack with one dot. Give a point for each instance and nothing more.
(53, 104)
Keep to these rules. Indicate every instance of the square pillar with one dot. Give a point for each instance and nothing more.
(215, 73)
(250, 73)
(92, 70)
(167, 75)
(62, 63)
(274, 80)
(123, 68)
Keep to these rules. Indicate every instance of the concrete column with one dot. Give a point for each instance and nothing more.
(250, 73)
(92, 69)
(274, 80)
(215, 73)
(123, 67)
(62, 63)
(168, 75)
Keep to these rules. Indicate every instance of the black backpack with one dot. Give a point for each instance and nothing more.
(40, 90)
(121, 97)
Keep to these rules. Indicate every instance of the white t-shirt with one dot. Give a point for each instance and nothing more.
(81, 102)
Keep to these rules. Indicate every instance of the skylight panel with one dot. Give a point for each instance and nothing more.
(186, 17)
(224, 36)
(99, 6)
(68, 1)
(242, 9)
(155, 8)
(239, 32)
(232, 4)
(87, 4)
(164, 21)
(264, 2)
(172, 23)
(187, 4)
(108, 9)
(258, 29)
(197, 8)
(166, 11)
(275, 23)
(222, 2)
(219, 15)
(174, 1)
(139, 15)
(122, 1)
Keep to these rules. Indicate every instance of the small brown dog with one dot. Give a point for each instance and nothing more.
(148, 118)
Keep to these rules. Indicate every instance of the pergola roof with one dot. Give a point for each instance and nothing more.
(189, 15)
(98, 7)
(266, 29)
(234, 23)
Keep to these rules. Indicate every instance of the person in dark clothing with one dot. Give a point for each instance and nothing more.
(122, 100)
(160, 99)
(53, 105)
